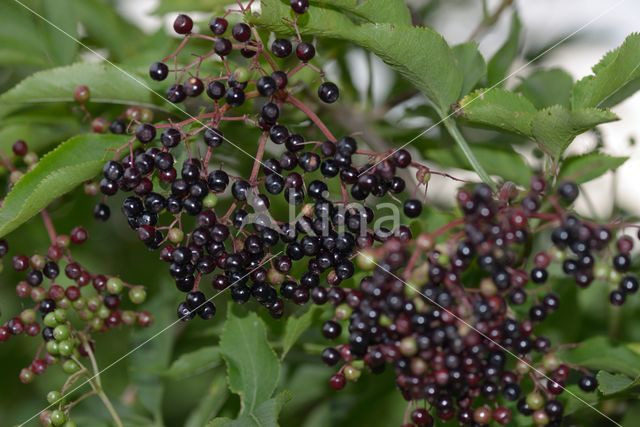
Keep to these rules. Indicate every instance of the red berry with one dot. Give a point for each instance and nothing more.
(20, 148)
(337, 381)
(79, 235)
(183, 24)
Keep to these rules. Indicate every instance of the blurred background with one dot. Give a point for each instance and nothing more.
(369, 88)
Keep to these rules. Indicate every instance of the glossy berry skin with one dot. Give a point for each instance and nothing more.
(213, 137)
(588, 383)
(145, 133)
(412, 208)
(568, 191)
(281, 48)
(337, 381)
(218, 26)
(266, 86)
(183, 24)
(241, 32)
(235, 97)
(305, 51)
(299, 6)
(216, 90)
(222, 46)
(158, 71)
(328, 92)
(176, 93)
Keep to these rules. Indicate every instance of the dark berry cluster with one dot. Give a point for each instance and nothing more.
(445, 326)
(233, 248)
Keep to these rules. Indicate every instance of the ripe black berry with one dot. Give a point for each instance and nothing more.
(235, 97)
(222, 46)
(241, 32)
(299, 6)
(281, 48)
(176, 93)
(305, 51)
(216, 90)
(568, 191)
(193, 87)
(412, 208)
(213, 137)
(266, 86)
(145, 132)
(158, 71)
(183, 24)
(588, 383)
(218, 26)
(328, 92)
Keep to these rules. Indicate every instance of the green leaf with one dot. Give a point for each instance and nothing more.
(210, 404)
(210, 6)
(599, 353)
(61, 13)
(265, 415)
(21, 41)
(615, 78)
(194, 363)
(107, 85)
(104, 25)
(472, 65)
(546, 88)
(253, 368)
(615, 383)
(434, 70)
(499, 108)
(500, 160)
(554, 128)
(154, 352)
(37, 136)
(499, 65)
(374, 11)
(60, 171)
(587, 167)
(295, 327)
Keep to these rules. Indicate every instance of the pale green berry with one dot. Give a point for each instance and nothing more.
(70, 367)
(50, 320)
(210, 201)
(175, 235)
(53, 396)
(65, 348)
(61, 332)
(137, 294)
(51, 347)
(58, 418)
(115, 285)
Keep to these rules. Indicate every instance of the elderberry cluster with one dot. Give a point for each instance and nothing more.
(440, 315)
(230, 248)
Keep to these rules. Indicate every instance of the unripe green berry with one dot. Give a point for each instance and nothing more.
(50, 320)
(70, 423)
(37, 262)
(28, 316)
(31, 158)
(366, 261)
(128, 317)
(103, 312)
(37, 294)
(65, 348)
(96, 323)
(351, 373)
(54, 396)
(550, 362)
(70, 367)
(535, 400)
(61, 315)
(79, 304)
(146, 115)
(241, 74)
(51, 347)
(115, 285)
(408, 346)
(61, 332)
(64, 303)
(210, 201)
(58, 418)
(175, 235)
(137, 294)
(15, 176)
(343, 311)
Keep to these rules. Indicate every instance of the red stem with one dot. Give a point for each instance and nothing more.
(262, 143)
(313, 116)
(48, 224)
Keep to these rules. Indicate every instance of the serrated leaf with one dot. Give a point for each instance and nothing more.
(194, 363)
(20, 38)
(615, 77)
(253, 368)
(61, 14)
(107, 85)
(295, 327)
(584, 168)
(500, 63)
(546, 88)
(472, 65)
(265, 415)
(556, 127)
(60, 171)
(599, 353)
(374, 11)
(499, 108)
(418, 53)
(615, 383)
